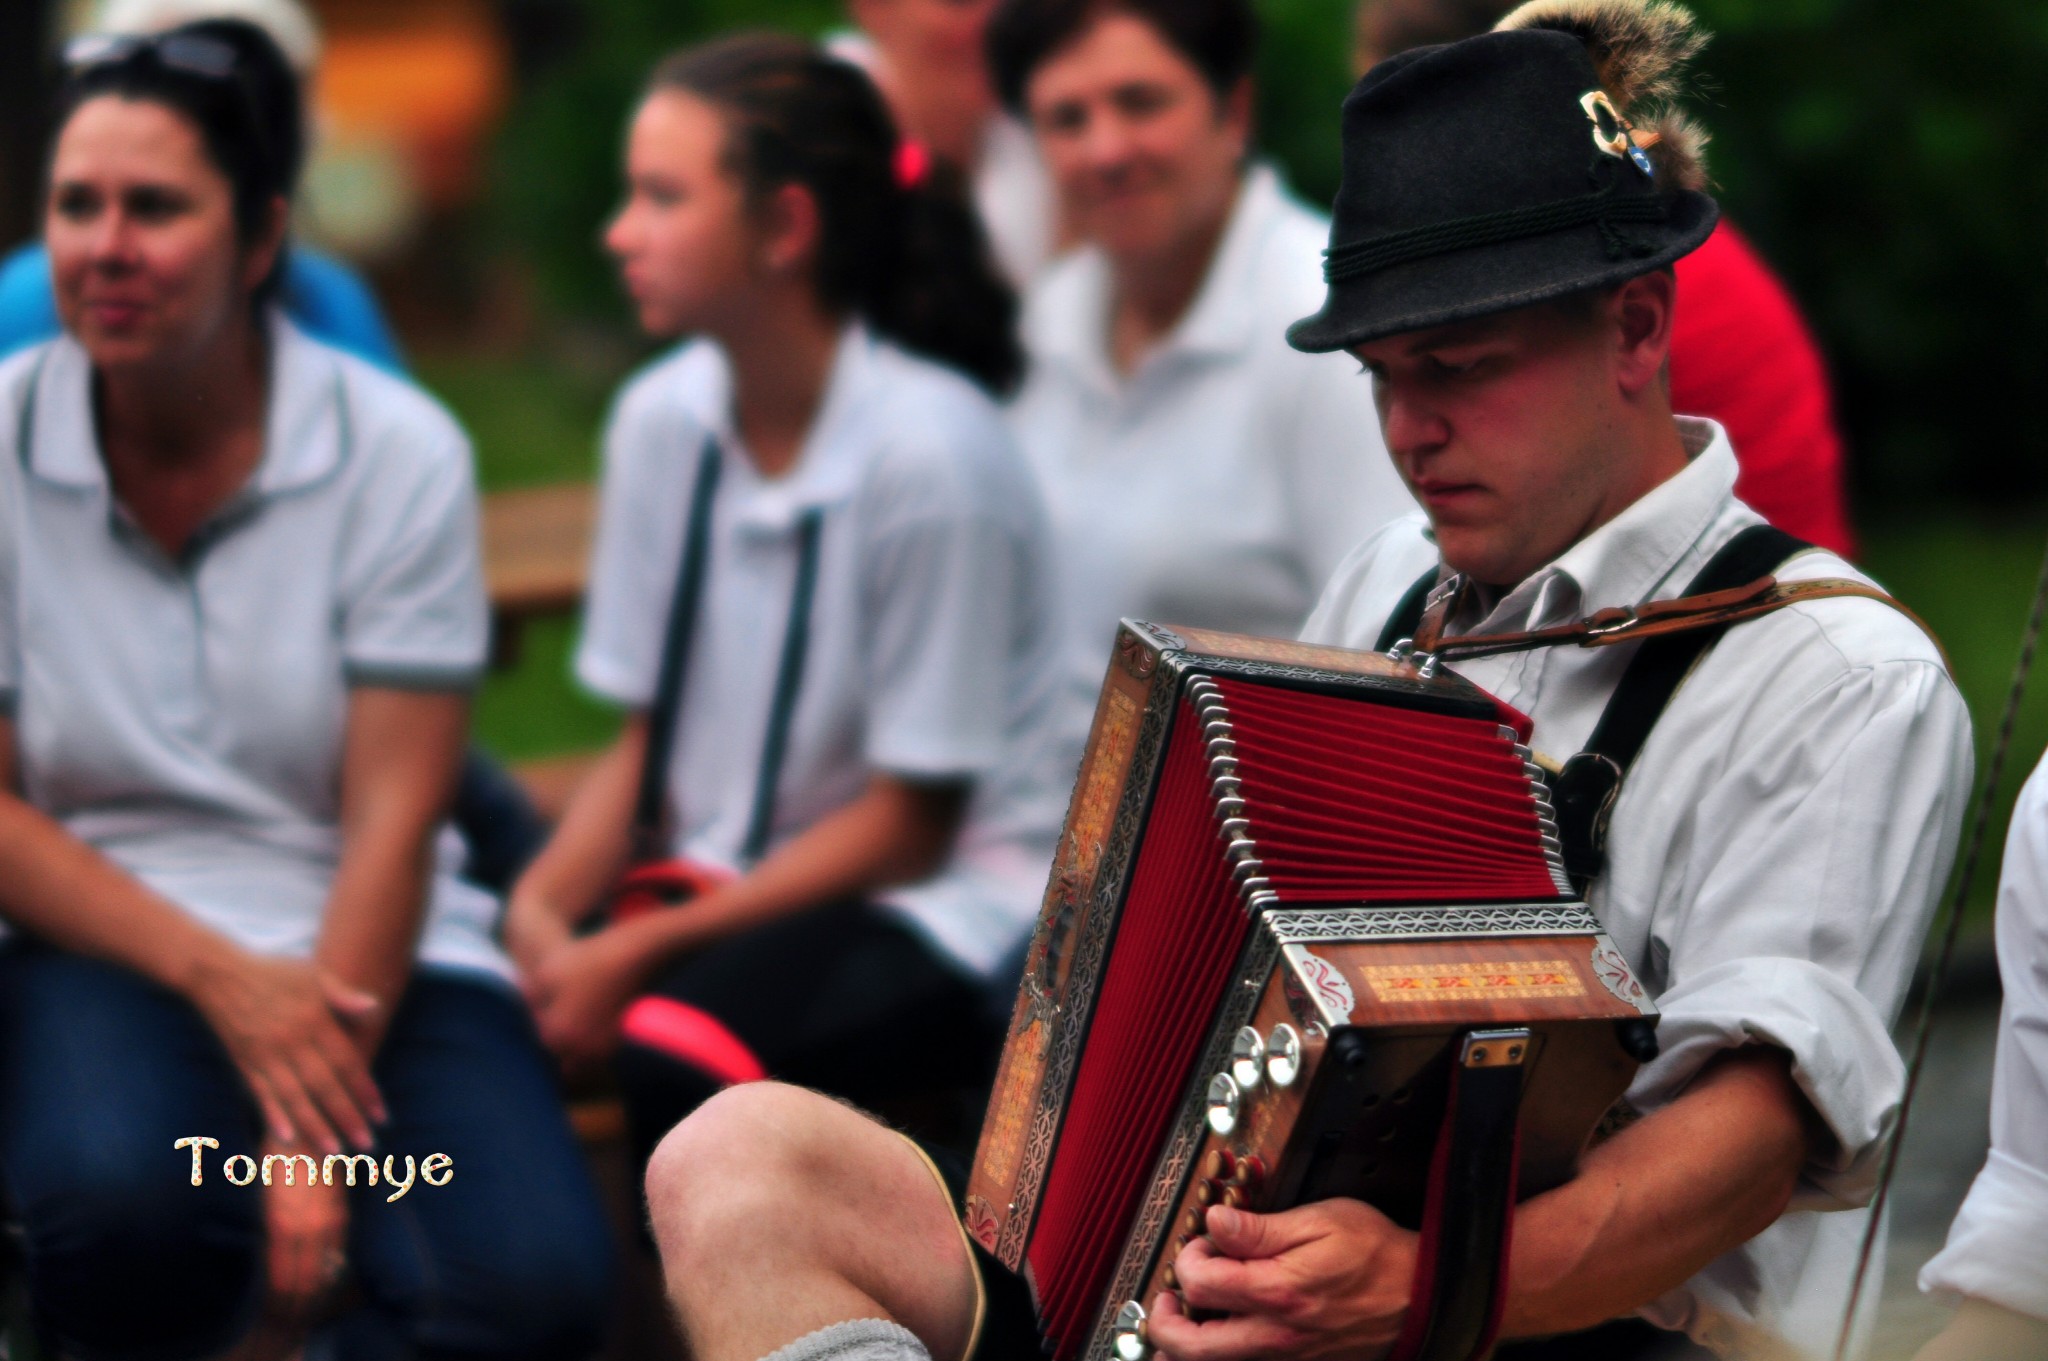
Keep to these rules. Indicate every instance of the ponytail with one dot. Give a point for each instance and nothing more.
(899, 244)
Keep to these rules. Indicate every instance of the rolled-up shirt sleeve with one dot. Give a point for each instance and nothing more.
(1816, 854)
(1997, 1248)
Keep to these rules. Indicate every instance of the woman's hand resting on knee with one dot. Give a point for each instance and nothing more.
(287, 1025)
(306, 1228)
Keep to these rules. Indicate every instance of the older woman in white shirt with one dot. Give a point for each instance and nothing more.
(1197, 469)
(240, 612)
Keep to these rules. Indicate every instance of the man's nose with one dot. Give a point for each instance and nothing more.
(1411, 426)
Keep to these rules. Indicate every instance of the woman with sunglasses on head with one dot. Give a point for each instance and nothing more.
(240, 615)
(812, 508)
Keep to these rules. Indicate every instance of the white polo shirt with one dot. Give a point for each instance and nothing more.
(1774, 855)
(1220, 483)
(930, 630)
(186, 717)
(1998, 1247)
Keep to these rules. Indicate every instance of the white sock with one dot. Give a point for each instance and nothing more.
(860, 1339)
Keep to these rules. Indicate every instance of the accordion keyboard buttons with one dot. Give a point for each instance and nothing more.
(1129, 1337)
(1226, 1104)
(1283, 1055)
(1248, 1059)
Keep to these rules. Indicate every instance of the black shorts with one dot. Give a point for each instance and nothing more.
(1009, 1324)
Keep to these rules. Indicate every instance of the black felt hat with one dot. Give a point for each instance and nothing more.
(1485, 175)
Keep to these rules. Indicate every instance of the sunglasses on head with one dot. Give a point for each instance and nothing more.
(191, 53)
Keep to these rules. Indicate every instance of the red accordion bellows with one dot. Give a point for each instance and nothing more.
(1342, 811)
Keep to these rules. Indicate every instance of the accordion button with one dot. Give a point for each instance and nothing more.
(1283, 1055)
(1248, 1059)
(1129, 1337)
(1206, 1191)
(1219, 1165)
(1226, 1102)
(1194, 1221)
(1235, 1197)
(1168, 1279)
(1249, 1171)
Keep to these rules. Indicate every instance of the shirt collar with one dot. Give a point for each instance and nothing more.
(829, 466)
(1221, 321)
(305, 431)
(1631, 558)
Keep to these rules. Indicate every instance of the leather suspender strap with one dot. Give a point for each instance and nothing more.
(1407, 616)
(1460, 1288)
(1585, 790)
(789, 676)
(650, 802)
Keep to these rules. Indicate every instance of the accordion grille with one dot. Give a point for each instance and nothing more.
(1354, 802)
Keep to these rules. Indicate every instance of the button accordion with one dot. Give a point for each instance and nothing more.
(1308, 934)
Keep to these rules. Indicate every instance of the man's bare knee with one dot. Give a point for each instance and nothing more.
(766, 1178)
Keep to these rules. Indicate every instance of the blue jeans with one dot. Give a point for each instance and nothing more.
(101, 1072)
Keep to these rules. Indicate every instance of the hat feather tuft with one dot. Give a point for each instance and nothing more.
(1641, 49)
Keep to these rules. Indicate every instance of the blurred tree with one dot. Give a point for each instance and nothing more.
(25, 26)
(1888, 155)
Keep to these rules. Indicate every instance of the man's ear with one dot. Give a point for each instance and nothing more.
(1641, 310)
(790, 229)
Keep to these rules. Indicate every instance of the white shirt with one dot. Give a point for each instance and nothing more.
(185, 718)
(1998, 1247)
(1774, 855)
(1221, 482)
(929, 632)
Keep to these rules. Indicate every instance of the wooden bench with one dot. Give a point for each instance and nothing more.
(536, 549)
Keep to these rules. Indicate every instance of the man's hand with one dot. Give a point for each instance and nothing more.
(1327, 1279)
(579, 991)
(307, 1229)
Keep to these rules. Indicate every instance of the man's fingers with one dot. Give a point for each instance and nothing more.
(1223, 1339)
(1244, 1235)
(1210, 1280)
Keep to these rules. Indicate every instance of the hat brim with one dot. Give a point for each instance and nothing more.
(1478, 282)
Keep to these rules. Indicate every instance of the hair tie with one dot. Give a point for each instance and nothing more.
(913, 163)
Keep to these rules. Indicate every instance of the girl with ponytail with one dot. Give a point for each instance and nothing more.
(819, 590)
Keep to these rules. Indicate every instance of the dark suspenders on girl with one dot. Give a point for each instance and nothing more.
(650, 804)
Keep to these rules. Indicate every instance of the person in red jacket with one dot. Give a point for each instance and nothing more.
(1741, 353)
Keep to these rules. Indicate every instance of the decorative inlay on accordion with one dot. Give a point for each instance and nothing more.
(1301, 895)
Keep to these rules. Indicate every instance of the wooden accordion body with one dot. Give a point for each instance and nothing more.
(1296, 886)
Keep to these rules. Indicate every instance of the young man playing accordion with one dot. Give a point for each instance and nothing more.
(1500, 263)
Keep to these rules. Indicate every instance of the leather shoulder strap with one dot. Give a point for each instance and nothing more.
(1407, 616)
(1585, 791)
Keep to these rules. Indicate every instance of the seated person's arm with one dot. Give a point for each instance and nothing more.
(280, 1019)
(399, 759)
(1648, 1209)
(583, 857)
(895, 831)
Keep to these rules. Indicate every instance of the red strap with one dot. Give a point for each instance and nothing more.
(688, 1035)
